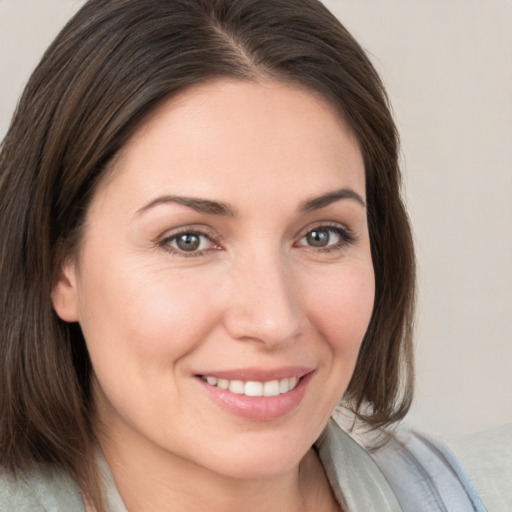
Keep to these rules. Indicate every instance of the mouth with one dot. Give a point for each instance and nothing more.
(253, 388)
(258, 395)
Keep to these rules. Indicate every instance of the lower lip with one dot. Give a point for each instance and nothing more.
(258, 408)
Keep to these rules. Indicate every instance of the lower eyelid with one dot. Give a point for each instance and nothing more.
(167, 240)
(346, 235)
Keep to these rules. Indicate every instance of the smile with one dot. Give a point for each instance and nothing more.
(257, 394)
(253, 388)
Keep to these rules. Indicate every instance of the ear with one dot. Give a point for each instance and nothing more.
(64, 293)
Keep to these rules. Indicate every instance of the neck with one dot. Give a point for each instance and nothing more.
(181, 486)
(166, 483)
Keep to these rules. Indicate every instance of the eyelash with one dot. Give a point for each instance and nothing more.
(165, 243)
(347, 237)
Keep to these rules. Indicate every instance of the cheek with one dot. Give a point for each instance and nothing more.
(137, 315)
(342, 309)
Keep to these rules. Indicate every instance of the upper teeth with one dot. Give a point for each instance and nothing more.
(254, 388)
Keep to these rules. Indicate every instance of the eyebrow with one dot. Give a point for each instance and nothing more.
(324, 200)
(226, 210)
(197, 204)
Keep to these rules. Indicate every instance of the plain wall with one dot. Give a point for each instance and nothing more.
(447, 65)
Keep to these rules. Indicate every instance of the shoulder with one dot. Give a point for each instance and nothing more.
(39, 490)
(487, 459)
(421, 471)
(425, 474)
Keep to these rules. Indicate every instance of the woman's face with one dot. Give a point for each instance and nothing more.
(229, 248)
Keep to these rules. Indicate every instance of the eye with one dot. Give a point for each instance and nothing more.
(327, 238)
(320, 237)
(188, 243)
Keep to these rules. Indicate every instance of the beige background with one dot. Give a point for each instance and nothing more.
(448, 68)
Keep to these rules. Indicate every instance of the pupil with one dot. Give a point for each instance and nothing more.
(188, 242)
(318, 238)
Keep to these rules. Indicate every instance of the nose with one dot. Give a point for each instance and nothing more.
(264, 302)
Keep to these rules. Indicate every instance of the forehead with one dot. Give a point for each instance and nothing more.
(251, 136)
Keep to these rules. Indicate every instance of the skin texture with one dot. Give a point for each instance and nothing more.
(255, 295)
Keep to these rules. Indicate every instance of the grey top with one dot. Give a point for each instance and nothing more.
(412, 472)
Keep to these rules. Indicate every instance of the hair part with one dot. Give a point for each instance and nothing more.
(107, 70)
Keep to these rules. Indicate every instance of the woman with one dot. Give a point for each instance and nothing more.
(204, 250)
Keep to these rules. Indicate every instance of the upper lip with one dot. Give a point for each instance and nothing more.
(259, 374)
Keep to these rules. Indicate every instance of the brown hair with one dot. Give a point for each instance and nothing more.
(113, 63)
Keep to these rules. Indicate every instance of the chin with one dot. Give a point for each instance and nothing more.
(259, 456)
(261, 466)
